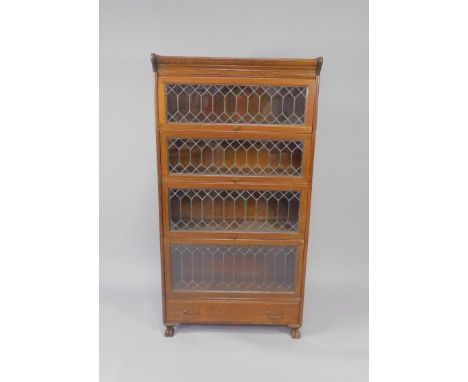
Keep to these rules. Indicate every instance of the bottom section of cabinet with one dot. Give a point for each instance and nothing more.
(221, 281)
(232, 312)
(179, 311)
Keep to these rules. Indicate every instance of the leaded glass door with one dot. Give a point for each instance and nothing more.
(234, 268)
(265, 104)
(234, 210)
(259, 157)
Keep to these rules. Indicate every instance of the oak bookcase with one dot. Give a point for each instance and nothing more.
(235, 146)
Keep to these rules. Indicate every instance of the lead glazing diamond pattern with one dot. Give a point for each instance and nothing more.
(255, 104)
(212, 267)
(235, 210)
(235, 156)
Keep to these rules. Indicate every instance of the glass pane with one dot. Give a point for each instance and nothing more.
(213, 267)
(255, 104)
(234, 156)
(233, 210)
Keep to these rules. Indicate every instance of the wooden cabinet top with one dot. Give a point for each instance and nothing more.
(237, 67)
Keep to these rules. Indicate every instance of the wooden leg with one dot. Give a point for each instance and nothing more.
(295, 333)
(169, 332)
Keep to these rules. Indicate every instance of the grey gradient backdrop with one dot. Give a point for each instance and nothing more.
(334, 343)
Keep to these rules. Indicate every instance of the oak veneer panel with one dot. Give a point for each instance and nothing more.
(237, 67)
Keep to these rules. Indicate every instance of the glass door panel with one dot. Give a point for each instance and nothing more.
(233, 210)
(231, 104)
(217, 267)
(245, 157)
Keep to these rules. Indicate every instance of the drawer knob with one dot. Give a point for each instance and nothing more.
(274, 316)
(190, 314)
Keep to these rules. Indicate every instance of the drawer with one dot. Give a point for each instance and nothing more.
(235, 156)
(234, 210)
(263, 104)
(231, 312)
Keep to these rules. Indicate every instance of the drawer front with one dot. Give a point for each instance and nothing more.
(270, 157)
(235, 210)
(225, 311)
(233, 268)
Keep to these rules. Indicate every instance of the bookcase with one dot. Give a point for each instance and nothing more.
(235, 146)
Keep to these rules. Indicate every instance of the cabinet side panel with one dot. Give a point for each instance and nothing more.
(159, 188)
(309, 197)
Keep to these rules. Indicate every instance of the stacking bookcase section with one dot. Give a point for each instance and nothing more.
(235, 145)
(235, 156)
(233, 268)
(230, 210)
(231, 104)
(235, 103)
(264, 269)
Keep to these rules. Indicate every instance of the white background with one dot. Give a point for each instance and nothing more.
(49, 203)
